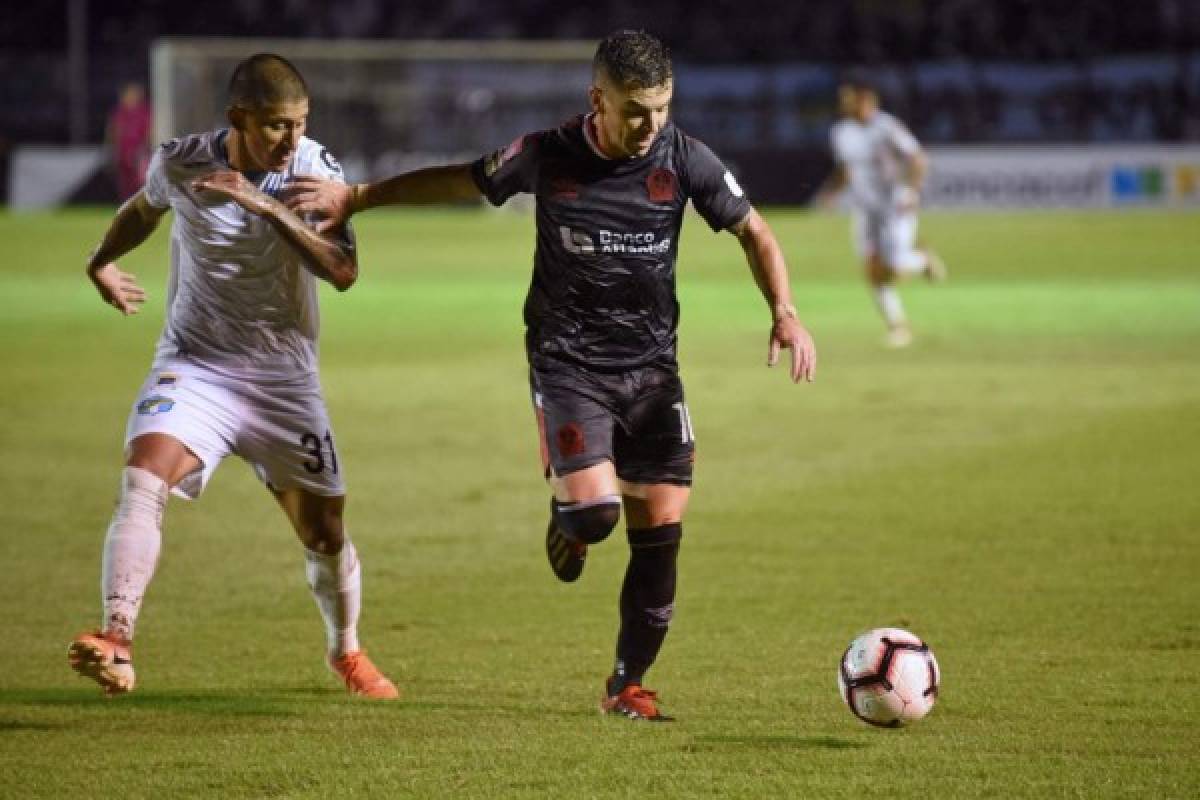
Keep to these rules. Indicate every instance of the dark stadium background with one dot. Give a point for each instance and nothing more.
(61, 63)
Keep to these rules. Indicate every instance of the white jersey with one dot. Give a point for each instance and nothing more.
(873, 156)
(239, 300)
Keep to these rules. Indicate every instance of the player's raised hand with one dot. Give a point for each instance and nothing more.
(787, 332)
(236, 187)
(330, 201)
(119, 289)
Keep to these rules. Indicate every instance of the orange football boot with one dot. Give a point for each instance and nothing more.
(362, 677)
(634, 702)
(105, 658)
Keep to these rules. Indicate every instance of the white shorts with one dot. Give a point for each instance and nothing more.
(891, 235)
(280, 427)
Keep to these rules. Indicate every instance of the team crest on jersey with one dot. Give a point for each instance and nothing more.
(660, 185)
(570, 440)
(501, 157)
(155, 404)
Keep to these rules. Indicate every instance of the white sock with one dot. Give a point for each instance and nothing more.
(888, 300)
(336, 583)
(911, 262)
(131, 549)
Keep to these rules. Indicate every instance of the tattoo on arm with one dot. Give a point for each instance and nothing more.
(331, 258)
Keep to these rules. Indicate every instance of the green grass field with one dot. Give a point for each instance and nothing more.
(1021, 487)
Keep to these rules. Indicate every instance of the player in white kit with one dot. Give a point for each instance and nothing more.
(235, 371)
(882, 167)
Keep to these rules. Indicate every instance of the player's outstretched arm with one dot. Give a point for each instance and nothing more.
(334, 202)
(328, 257)
(770, 273)
(135, 220)
(831, 188)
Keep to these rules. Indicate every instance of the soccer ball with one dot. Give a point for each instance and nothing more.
(889, 677)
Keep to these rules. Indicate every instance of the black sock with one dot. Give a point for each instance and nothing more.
(647, 601)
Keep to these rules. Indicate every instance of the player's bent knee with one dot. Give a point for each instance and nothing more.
(590, 521)
(317, 519)
(321, 532)
(322, 537)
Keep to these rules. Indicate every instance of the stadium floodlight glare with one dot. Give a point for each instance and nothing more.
(383, 106)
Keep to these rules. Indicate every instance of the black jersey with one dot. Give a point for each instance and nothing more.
(603, 289)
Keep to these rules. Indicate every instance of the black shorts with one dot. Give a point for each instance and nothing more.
(636, 419)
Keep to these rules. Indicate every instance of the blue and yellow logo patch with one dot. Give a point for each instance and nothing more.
(155, 404)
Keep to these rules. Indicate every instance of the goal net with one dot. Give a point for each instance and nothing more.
(382, 107)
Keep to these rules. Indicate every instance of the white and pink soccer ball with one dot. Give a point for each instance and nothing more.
(889, 677)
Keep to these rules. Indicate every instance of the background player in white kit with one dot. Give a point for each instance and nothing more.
(236, 365)
(882, 166)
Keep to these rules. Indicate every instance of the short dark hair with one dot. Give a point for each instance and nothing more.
(265, 79)
(634, 59)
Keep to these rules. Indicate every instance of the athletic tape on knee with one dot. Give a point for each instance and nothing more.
(589, 521)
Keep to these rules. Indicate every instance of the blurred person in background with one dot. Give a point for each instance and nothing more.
(881, 166)
(128, 138)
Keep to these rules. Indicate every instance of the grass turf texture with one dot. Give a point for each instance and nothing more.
(1020, 488)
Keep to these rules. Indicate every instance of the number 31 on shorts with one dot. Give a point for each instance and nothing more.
(313, 446)
(685, 423)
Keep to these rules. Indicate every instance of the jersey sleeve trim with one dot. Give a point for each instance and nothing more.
(712, 188)
(508, 171)
(477, 175)
(156, 187)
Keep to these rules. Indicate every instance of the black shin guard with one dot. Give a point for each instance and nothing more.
(647, 600)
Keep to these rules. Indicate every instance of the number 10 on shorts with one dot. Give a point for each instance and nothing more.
(685, 423)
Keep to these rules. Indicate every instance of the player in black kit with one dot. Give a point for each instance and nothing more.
(601, 317)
